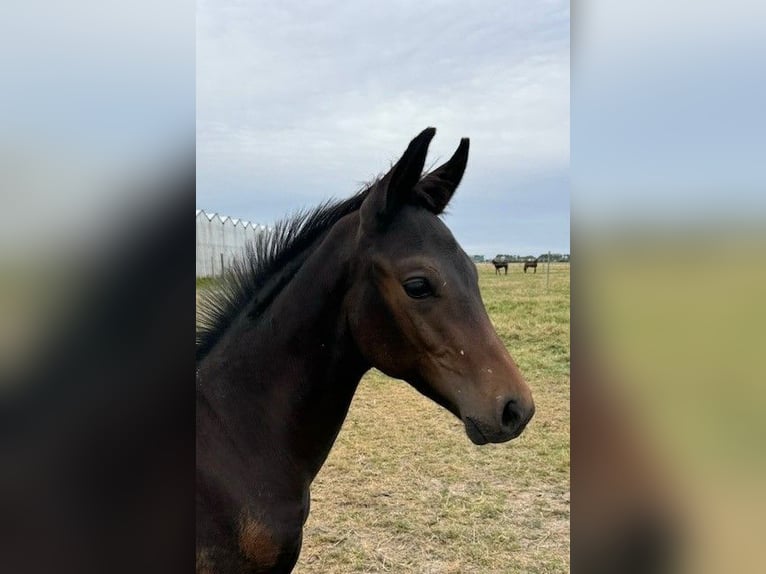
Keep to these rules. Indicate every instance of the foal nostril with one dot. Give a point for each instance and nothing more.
(511, 416)
(515, 416)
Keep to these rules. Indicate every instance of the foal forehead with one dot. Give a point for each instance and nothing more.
(418, 230)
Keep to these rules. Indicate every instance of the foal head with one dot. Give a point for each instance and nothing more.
(414, 307)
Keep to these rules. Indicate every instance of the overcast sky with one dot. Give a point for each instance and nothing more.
(301, 101)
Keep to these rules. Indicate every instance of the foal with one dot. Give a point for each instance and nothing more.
(374, 281)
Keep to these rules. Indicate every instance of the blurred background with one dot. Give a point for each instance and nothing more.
(668, 212)
(96, 286)
(98, 113)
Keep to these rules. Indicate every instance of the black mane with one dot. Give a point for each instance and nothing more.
(273, 258)
(269, 262)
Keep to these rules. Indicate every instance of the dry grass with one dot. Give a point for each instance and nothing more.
(404, 490)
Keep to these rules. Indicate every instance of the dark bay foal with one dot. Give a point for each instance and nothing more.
(373, 281)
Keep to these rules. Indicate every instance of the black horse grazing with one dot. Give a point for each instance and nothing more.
(499, 264)
(373, 281)
(530, 263)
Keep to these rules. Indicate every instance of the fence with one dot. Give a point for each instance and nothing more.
(220, 239)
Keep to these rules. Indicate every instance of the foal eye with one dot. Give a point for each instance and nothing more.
(418, 288)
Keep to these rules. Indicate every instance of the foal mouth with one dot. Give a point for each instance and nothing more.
(480, 434)
(474, 432)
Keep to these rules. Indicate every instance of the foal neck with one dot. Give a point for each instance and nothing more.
(282, 383)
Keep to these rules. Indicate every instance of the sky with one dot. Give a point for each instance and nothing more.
(302, 101)
(668, 120)
(297, 102)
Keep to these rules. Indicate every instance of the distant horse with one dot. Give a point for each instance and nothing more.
(377, 281)
(500, 264)
(530, 264)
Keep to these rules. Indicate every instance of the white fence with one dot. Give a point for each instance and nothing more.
(220, 239)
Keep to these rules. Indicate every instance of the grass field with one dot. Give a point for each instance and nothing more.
(404, 490)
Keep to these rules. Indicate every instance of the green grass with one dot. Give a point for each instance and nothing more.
(206, 282)
(404, 490)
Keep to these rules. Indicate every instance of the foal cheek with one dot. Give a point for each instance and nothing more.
(392, 330)
(370, 325)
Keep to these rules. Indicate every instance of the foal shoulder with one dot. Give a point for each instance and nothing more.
(258, 544)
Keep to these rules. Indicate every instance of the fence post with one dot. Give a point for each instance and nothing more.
(222, 270)
(548, 273)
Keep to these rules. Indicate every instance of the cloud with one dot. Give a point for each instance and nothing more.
(313, 97)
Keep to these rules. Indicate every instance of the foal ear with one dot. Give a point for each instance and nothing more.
(396, 187)
(436, 189)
